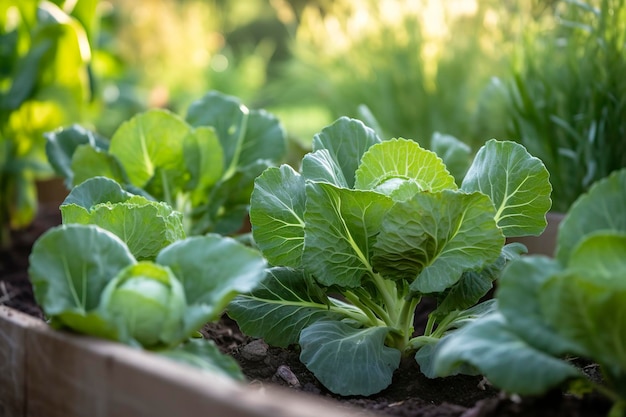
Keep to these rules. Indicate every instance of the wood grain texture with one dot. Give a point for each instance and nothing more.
(56, 374)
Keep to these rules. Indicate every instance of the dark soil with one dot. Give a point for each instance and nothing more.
(411, 394)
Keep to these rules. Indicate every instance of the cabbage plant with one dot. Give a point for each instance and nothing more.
(551, 310)
(203, 165)
(364, 231)
(86, 279)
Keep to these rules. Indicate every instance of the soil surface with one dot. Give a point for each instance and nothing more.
(410, 395)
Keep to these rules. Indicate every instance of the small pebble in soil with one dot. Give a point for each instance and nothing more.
(255, 351)
(287, 375)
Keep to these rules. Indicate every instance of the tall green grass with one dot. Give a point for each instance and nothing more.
(566, 100)
(384, 55)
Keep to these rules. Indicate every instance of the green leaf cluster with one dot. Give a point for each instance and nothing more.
(550, 310)
(88, 280)
(364, 230)
(203, 166)
(44, 82)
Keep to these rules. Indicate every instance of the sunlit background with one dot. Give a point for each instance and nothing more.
(547, 73)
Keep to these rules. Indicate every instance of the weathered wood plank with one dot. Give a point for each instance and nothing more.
(12, 361)
(57, 374)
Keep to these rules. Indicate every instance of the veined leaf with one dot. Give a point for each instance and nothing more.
(89, 162)
(347, 360)
(517, 183)
(387, 165)
(431, 239)
(455, 154)
(205, 267)
(518, 295)
(61, 145)
(145, 226)
(346, 140)
(587, 302)
(150, 141)
(203, 158)
(321, 166)
(71, 264)
(341, 225)
(277, 215)
(470, 288)
(265, 139)
(285, 302)
(602, 208)
(95, 191)
(502, 356)
(228, 117)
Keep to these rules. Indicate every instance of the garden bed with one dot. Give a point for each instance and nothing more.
(52, 373)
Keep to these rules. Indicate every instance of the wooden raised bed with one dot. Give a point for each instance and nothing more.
(44, 372)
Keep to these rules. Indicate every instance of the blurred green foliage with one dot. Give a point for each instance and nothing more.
(419, 67)
(44, 83)
(566, 97)
(545, 72)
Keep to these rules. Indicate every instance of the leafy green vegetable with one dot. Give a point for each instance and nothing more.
(551, 309)
(86, 279)
(145, 226)
(363, 231)
(147, 304)
(204, 166)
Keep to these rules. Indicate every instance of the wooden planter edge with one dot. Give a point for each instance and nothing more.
(58, 374)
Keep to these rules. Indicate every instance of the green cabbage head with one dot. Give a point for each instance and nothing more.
(146, 302)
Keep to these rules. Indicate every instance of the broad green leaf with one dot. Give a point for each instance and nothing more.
(425, 352)
(228, 117)
(431, 239)
(602, 208)
(587, 302)
(502, 356)
(204, 159)
(95, 191)
(321, 166)
(89, 162)
(71, 264)
(213, 270)
(145, 226)
(472, 286)
(601, 256)
(347, 360)
(61, 145)
(456, 154)
(148, 142)
(146, 303)
(265, 139)
(204, 354)
(92, 323)
(346, 140)
(229, 202)
(277, 215)
(387, 165)
(341, 225)
(518, 294)
(517, 183)
(285, 302)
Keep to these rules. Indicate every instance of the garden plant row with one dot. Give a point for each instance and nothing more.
(342, 250)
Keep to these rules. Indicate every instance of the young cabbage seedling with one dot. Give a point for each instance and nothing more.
(364, 231)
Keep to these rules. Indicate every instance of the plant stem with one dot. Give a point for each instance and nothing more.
(390, 296)
(367, 308)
